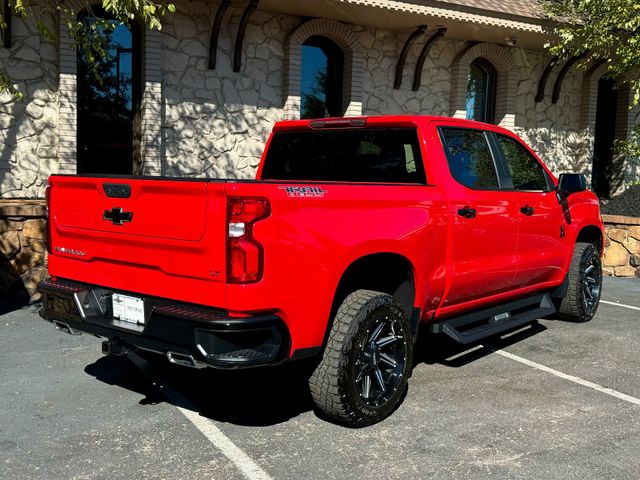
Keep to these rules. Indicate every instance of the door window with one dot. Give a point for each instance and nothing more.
(526, 172)
(469, 157)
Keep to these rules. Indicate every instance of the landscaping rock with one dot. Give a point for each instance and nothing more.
(10, 244)
(625, 271)
(31, 279)
(26, 260)
(627, 203)
(632, 245)
(617, 234)
(608, 271)
(34, 229)
(615, 256)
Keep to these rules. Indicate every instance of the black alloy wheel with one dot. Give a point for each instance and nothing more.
(584, 284)
(381, 361)
(362, 377)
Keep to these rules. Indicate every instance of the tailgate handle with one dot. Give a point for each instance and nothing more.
(117, 190)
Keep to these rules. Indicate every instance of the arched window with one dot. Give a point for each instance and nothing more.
(481, 91)
(321, 79)
(108, 95)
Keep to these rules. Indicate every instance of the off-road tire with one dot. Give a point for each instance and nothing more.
(333, 384)
(576, 306)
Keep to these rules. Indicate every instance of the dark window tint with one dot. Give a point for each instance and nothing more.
(321, 78)
(469, 157)
(368, 155)
(526, 172)
(481, 91)
(108, 93)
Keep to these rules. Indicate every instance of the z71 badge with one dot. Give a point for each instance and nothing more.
(305, 191)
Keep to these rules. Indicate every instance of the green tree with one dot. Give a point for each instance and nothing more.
(314, 100)
(606, 30)
(90, 37)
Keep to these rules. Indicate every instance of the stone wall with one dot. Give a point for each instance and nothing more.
(622, 246)
(28, 127)
(23, 257)
(215, 122)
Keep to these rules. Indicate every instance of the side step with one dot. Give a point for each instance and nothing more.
(475, 326)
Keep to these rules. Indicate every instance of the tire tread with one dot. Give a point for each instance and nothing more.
(327, 381)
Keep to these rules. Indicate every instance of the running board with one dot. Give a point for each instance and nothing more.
(485, 323)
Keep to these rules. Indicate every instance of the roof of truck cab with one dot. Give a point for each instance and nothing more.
(381, 120)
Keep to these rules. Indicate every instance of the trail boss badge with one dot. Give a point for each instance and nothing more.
(304, 191)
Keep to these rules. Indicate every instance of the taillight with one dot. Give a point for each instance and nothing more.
(245, 258)
(47, 196)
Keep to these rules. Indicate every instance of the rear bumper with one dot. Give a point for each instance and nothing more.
(207, 335)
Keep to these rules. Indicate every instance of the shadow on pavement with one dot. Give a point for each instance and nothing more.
(440, 349)
(121, 372)
(270, 395)
(256, 397)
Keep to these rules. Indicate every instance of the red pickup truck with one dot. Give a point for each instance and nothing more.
(355, 233)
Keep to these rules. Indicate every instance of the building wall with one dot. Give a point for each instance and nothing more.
(28, 127)
(217, 121)
(214, 122)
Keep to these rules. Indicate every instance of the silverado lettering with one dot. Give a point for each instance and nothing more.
(438, 225)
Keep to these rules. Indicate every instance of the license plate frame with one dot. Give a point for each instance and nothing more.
(128, 309)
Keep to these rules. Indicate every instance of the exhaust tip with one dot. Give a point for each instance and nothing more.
(63, 327)
(184, 359)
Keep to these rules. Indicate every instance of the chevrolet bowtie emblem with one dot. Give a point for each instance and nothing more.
(117, 216)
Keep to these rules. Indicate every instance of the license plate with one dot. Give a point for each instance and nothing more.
(128, 309)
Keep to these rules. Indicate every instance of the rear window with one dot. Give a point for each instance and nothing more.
(367, 155)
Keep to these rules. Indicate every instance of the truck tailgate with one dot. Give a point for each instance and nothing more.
(158, 237)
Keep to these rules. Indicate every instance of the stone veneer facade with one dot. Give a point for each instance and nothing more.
(622, 246)
(23, 262)
(200, 122)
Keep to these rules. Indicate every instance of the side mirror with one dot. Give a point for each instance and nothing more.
(571, 183)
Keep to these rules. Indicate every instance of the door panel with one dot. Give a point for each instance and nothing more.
(484, 247)
(541, 250)
(485, 225)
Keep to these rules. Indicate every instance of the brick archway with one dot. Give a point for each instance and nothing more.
(150, 106)
(502, 59)
(353, 51)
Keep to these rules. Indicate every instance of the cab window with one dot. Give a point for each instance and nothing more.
(469, 157)
(526, 172)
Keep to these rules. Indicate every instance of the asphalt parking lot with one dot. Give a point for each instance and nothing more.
(555, 400)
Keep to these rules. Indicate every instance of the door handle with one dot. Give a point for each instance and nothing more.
(467, 212)
(528, 210)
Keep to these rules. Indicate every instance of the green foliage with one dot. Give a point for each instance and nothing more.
(91, 38)
(609, 31)
(314, 101)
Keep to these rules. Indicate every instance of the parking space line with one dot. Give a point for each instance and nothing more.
(571, 378)
(245, 464)
(207, 427)
(620, 305)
